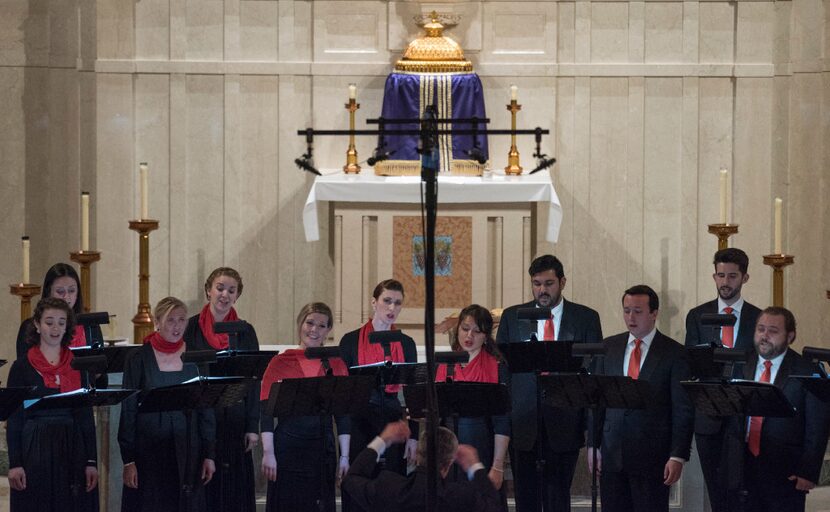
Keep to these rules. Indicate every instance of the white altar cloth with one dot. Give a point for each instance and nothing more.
(492, 188)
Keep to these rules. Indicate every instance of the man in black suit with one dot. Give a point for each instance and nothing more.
(563, 432)
(783, 456)
(643, 450)
(390, 491)
(731, 267)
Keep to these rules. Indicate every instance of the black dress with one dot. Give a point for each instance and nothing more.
(54, 448)
(232, 486)
(365, 427)
(306, 463)
(157, 442)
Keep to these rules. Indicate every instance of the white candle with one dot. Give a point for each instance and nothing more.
(25, 260)
(144, 198)
(84, 221)
(724, 174)
(514, 93)
(352, 91)
(777, 234)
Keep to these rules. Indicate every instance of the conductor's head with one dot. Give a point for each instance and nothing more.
(447, 445)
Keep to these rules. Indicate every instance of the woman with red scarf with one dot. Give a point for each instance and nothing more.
(387, 302)
(299, 458)
(489, 435)
(237, 427)
(154, 445)
(52, 453)
(61, 282)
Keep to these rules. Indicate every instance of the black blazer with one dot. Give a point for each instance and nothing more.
(642, 440)
(391, 491)
(746, 325)
(564, 428)
(789, 446)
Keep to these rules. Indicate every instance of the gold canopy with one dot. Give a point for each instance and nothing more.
(434, 52)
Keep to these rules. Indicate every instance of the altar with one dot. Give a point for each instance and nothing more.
(485, 240)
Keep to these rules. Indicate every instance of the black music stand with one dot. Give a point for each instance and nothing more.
(459, 399)
(11, 399)
(320, 396)
(250, 364)
(79, 399)
(594, 392)
(739, 398)
(539, 357)
(198, 393)
(117, 356)
(819, 386)
(712, 362)
(387, 372)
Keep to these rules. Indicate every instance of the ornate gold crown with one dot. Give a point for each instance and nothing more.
(434, 52)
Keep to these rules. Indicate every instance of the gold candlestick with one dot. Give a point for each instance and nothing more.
(25, 291)
(351, 166)
(723, 232)
(85, 259)
(778, 262)
(143, 320)
(513, 167)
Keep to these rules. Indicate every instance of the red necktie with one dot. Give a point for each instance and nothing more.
(550, 331)
(755, 422)
(727, 332)
(634, 360)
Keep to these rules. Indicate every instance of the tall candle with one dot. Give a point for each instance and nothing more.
(144, 198)
(514, 93)
(352, 91)
(26, 276)
(779, 203)
(724, 174)
(84, 221)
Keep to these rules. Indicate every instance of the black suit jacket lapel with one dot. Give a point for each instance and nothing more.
(784, 371)
(655, 353)
(746, 329)
(567, 331)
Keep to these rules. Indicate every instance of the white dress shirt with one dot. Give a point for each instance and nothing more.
(736, 310)
(644, 346)
(557, 321)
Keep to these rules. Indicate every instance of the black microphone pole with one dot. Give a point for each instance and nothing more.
(429, 175)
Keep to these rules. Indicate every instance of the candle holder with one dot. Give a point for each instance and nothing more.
(723, 232)
(143, 320)
(25, 291)
(778, 262)
(85, 259)
(351, 166)
(513, 168)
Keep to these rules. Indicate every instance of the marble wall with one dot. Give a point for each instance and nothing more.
(646, 101)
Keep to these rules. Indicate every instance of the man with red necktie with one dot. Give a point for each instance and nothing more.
(782, 456)
(642, 451)
(730, 275)
(563, 432)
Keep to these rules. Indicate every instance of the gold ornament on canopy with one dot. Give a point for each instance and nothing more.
(434, 52)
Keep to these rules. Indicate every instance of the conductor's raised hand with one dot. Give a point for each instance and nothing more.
(395, 433)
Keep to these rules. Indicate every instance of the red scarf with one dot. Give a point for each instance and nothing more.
(59, 376)
(162, 345)
(483, 368)
(217, 341)
(79, 339)
(293, 364)
(370, 353)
